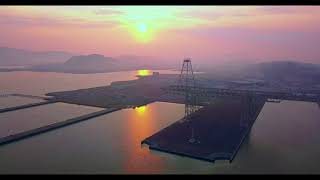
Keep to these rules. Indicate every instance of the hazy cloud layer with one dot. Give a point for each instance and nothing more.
(107, 11)
(206, 32)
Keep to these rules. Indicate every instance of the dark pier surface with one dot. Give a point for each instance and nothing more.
(216, 128)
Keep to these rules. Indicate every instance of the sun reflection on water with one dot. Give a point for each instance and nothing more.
(144, 72)
(141, 125)
(141, 110)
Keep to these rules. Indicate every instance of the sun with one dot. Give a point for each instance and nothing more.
(142, 32)
(142, 28)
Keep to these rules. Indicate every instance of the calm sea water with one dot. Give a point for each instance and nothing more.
(40, 83)
(12, 101)
(14, 122)
(284, 139)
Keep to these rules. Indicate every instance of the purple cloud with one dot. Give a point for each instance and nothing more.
(289, 9)
(107, 12)
(53, 22)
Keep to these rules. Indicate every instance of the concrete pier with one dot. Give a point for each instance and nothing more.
(26, 134)
(30, 96)
(5, 95)
(26, 106)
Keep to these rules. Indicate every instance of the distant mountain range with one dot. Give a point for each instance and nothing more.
(95, 63)
(56, 61)
(20, 57)
(286, 71)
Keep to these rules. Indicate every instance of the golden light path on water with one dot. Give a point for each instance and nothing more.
(140, 126)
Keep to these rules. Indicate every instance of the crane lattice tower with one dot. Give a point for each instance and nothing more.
(188, 83)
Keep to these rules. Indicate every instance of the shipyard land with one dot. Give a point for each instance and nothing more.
(217, 134)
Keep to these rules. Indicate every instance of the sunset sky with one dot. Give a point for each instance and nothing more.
(209, 33)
